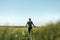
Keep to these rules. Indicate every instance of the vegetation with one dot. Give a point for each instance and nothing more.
(47, 32)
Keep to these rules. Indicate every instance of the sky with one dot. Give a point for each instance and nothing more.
(17, 12)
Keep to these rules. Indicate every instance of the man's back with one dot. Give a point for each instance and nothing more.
(30, 23)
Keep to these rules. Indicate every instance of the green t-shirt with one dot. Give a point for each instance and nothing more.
(29, 24)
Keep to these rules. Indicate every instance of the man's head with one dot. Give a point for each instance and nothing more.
(29, 19)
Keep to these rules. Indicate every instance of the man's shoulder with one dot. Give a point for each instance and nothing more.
(27, 21)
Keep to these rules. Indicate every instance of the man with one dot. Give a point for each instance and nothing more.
(29, 23)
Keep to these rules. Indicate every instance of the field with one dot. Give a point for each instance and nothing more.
(48, 32)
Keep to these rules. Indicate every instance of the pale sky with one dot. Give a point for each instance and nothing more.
(17, 12)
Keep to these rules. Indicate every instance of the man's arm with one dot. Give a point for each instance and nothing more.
(26, 25)
(34, 25)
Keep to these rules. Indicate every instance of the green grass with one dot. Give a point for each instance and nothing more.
(47, 32)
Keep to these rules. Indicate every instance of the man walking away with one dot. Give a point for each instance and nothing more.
(30, 23)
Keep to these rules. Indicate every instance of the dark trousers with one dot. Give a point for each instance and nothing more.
(29, 30)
